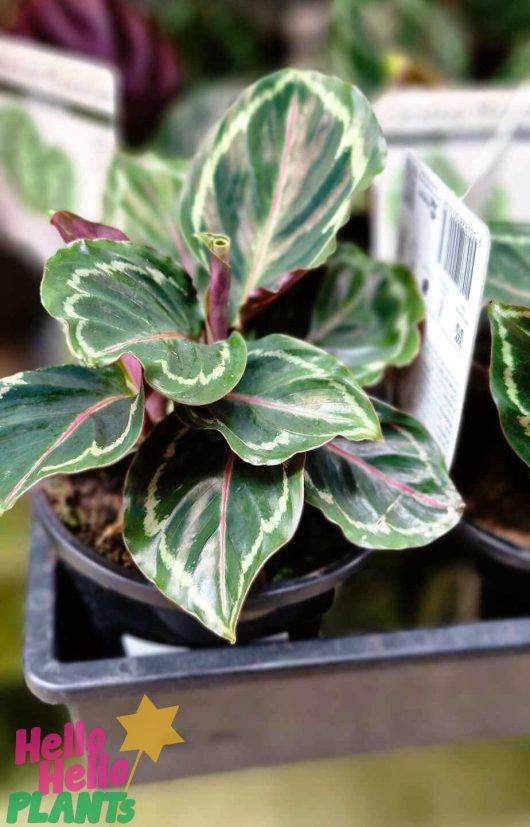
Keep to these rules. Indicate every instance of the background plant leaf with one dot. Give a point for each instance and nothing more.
(292, 398)
(510, 373)
(188, 119)
(141, 199)
(42, 174)
(508, 279)
(68, 418)
(391, 494)
(277, 175)
(200, 523)
(367, 314)
(369, 39)
(116, 297)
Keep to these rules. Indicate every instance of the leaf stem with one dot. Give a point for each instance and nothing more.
(218, 302)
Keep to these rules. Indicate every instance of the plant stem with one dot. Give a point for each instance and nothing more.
(219, 289)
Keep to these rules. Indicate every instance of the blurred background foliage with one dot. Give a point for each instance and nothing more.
(219, 46)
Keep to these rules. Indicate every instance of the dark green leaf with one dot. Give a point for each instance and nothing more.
(391, 494)
(510, 373)
(64, 419)
(292, 398)
(200, 523)
(277, 176)
(367, 314)
(116, 297)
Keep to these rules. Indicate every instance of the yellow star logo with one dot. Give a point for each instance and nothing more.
(150, 729)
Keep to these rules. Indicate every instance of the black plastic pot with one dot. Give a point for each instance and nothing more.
(123, 601)
(484, 454)
(504, 569)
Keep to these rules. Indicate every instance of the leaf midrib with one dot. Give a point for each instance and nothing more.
(78, 421)
(403, 488)
(270, 224)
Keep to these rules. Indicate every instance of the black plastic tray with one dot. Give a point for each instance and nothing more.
(275, 702)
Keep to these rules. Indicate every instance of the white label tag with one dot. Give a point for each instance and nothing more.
(456, 132)
(447, 248)
(58, 133)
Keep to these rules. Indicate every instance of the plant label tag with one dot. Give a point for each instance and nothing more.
(447, 248)
(58, 137)
(478, 137)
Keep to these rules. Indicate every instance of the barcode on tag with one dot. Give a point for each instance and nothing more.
(446, 246)
(457, 250)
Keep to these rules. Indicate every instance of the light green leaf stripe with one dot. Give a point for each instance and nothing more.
(508, 279)
(277, 175)
(69, 418)
(510, 373)
(116, 297)
(141, 199)
(292, 398)
(386, 495)
(200, 523)
(367, 314)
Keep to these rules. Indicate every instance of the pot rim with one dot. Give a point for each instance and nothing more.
(133, 584)
(495, 547)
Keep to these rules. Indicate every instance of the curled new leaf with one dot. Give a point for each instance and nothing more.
(510, 373)
(367, 314)
(118, 297)
(64, 419)
(292, 398)
(277, 175)
(388, 495)
(200, 523)
(508, 278)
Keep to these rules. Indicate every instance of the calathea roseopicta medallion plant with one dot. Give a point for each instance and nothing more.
(231, 433)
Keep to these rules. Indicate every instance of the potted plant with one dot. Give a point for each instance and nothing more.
(219, 435)
(495, 482)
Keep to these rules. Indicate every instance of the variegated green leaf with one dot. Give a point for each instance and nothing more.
(277, 175)
(141, 199)
(200, 523)
(67, 419)
(508, 277)
(367, 314)
(292, 398)
(510, 373)
(116, 297)
(391, 494)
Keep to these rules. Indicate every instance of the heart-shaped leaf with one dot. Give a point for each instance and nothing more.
(510, 373)
(277, 175)
(292, 398)
(367, 314)
(141, 198)
(200, 523)
(116, 297)
(508, 279)
(391, 494)
(67, 418)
